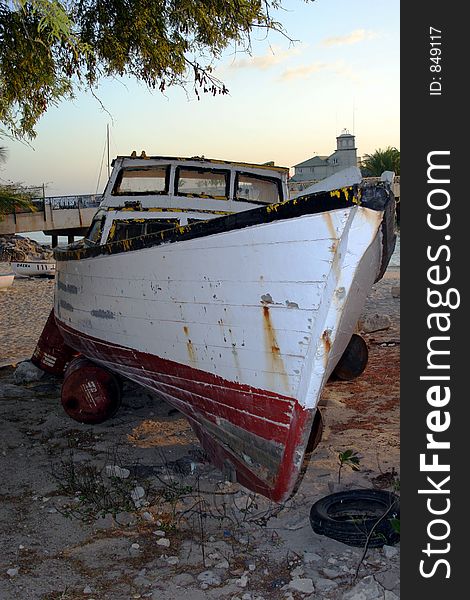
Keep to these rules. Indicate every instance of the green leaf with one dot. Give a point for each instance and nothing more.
(51, 48)
(395, 523)
(375, 164)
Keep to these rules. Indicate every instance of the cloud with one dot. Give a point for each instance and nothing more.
(273, 57)
(303, 72)
(358, 35)
(341, 68)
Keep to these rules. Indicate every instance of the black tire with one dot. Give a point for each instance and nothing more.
(354, 359)
(350, 516)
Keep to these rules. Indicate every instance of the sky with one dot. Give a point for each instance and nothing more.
(287, 103)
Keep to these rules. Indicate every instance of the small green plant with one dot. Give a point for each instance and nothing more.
(395, 523)
(174, 491)
(94, 494)
(349, 458)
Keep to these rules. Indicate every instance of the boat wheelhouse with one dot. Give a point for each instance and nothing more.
(148, 195)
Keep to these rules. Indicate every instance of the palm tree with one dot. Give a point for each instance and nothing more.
(13, 196)
(375, 164)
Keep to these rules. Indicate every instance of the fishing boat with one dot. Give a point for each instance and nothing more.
(6, 280)
(201, 280)
(34, 268)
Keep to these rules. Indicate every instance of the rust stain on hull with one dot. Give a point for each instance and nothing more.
(190, 348)
(272, 347)
(191, 352)
(233, 347)
(326, 340)
(331, 228)
(235, 355)
(326, 345)
(334, 245)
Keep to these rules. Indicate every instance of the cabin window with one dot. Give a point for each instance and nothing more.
(204, 183)
(257, 189)
(142, 181)
(93, 234)
(130, 228)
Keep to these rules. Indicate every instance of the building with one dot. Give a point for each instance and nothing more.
(319, 167)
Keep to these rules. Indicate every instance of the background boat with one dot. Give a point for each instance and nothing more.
(34, 268)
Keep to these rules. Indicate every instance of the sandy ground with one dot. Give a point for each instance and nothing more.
(24, 308)
(173, 527)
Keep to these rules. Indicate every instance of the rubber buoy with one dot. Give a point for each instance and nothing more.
(51, 353)
(354, 517)
(354, 359)
(90, 393)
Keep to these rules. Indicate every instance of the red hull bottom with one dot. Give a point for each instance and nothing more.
(259, 434)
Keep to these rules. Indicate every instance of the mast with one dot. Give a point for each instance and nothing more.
(107, 146)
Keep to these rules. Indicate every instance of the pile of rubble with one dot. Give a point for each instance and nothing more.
(18, 248)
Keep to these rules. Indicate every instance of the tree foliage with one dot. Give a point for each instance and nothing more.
(13, 196)
(49, 48)
(375, 164)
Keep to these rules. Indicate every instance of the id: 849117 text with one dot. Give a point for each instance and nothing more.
(435, 57)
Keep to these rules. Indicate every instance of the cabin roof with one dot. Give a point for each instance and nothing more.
(203, 160)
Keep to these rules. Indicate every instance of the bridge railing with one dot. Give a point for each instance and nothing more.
(65, 202)
(61, 203)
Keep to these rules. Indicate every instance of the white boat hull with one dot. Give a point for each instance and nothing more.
(220, 304)
(239, 330)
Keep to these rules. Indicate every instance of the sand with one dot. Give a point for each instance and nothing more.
(222, 542)
(24, 308)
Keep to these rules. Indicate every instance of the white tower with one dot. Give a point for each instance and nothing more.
(346, 151)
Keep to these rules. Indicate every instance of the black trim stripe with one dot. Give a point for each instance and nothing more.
(297, 207)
